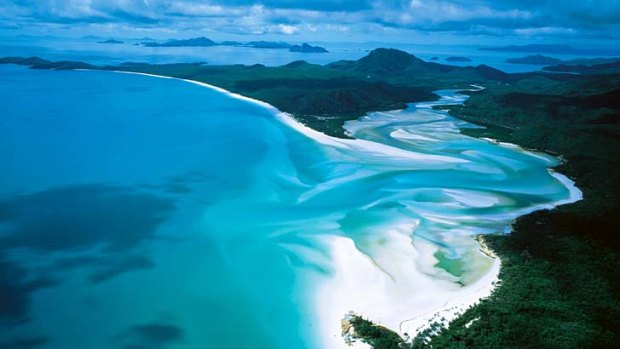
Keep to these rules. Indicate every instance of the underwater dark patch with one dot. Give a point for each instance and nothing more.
(73, 218)
(25, 343)
(177, 189)
(121, 266)
(80, 217)
(158, 333)
(68, 263)
(16, 285)
(152, 335)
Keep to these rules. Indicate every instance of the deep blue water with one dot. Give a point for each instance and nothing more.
(105, 179)
(139, 212)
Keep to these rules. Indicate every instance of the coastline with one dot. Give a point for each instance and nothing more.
(346, 255)
(568, 278)
(560, 252)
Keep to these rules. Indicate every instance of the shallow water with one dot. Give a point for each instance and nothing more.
(138, 212)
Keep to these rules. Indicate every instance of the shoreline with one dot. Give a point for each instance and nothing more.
(344, 251)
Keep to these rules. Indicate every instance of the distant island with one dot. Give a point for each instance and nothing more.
(606, 68)
(206, 42)
(536, 59)
(92, 37)
(307, 48)
(110, 41)
(458, 59)
(575, 66)
(195, 42)
(267, 44)
(231, 43)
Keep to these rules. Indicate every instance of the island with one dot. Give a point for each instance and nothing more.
(110, 41)
(231, 43)
(604, 68)
(559, 272)
(536, 59)
(305, 48)
(267, 44)
(206, 42)
(580, 65)
(195, 42)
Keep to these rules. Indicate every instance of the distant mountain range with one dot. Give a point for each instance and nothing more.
(606, 68)
(266, 44)
(579, 66)
(110, 41)
(536, 59)
(307, 48)
(205, 42)
(195, 42)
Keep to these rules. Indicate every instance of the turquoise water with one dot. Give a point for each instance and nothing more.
(139, 212)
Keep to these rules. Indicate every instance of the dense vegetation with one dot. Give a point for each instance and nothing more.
(535, 59)
(608, 67)
(560, 276)
(376, 336)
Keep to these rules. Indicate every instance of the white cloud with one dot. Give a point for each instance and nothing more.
(425, 14)
(287, 29)
(201, 10)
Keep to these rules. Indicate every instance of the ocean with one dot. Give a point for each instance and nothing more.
(90, 51)
(143, 212)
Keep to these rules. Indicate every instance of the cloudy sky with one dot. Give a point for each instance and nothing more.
(322, 20)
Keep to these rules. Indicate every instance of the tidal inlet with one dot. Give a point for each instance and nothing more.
(140, 211)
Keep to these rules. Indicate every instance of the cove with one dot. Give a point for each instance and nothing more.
(138, 212)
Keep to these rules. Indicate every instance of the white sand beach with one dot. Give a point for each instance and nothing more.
(397, 283)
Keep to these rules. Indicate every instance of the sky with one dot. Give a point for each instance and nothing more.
(419, 21)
